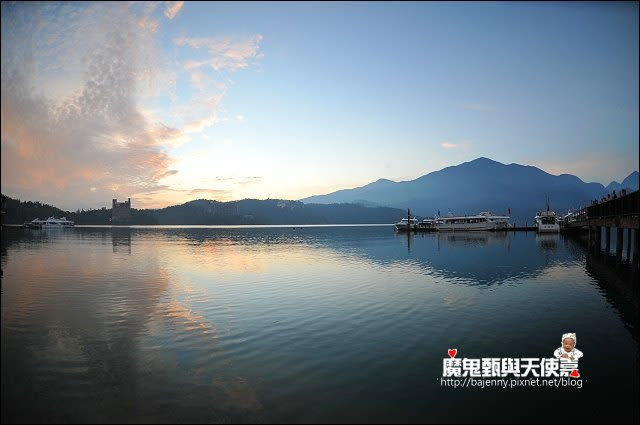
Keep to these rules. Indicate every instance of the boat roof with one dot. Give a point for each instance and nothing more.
(474, 216)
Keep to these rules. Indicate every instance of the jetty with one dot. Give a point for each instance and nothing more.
(621, 213)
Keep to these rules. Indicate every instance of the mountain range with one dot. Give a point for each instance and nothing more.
(480, 185)
(204, 211)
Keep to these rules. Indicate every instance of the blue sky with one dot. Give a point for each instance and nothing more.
(290, 100)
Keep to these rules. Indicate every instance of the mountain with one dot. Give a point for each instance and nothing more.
(203, 211)
(629, 183)
(478, 185)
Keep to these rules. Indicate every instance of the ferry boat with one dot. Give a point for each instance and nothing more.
(406, 224)
(48, 223)
(547, 222)
(484, 221)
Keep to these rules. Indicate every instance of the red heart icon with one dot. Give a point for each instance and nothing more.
(575, 373)
(453, 352)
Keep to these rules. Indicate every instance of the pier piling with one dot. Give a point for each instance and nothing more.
(619, 240)
(635, 250)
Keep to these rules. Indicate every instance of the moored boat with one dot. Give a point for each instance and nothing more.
(484, 221)
(547, 222)
(407, 224)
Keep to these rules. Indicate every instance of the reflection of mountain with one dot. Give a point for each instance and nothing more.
(474, 258)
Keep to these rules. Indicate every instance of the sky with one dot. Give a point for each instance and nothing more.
(166, 102)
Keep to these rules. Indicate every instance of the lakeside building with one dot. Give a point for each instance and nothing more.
(120, 211)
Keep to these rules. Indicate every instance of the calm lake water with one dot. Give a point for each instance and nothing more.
(305, 324)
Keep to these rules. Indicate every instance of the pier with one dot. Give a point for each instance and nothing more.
(621, 213)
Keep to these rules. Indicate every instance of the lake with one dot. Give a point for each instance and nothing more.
(306, 324)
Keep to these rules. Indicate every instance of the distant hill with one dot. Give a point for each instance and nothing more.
(631, 182)
(478, 185)
(274, 211)
(203, 211)
(15, 211)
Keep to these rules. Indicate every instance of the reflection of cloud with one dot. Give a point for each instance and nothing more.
(116, 330)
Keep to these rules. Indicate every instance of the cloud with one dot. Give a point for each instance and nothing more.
(461, 147)
(76, 84)
(249, 180)
(172, 9)
(200, 80)
(216, 193)
(226, 53)
(198, 125)
(96, 136)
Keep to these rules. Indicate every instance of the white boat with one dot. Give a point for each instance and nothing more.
(50, 222)
(547, 222)
(484, 221)
(406, 224)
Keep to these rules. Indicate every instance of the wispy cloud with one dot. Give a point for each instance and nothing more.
(172, 9)
(214, 194)
(249, 180)
(461, 147)
(225, 53)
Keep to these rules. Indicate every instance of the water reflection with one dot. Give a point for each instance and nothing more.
(121, 239)
(300, 325)
(110, 334)
(547, 241)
